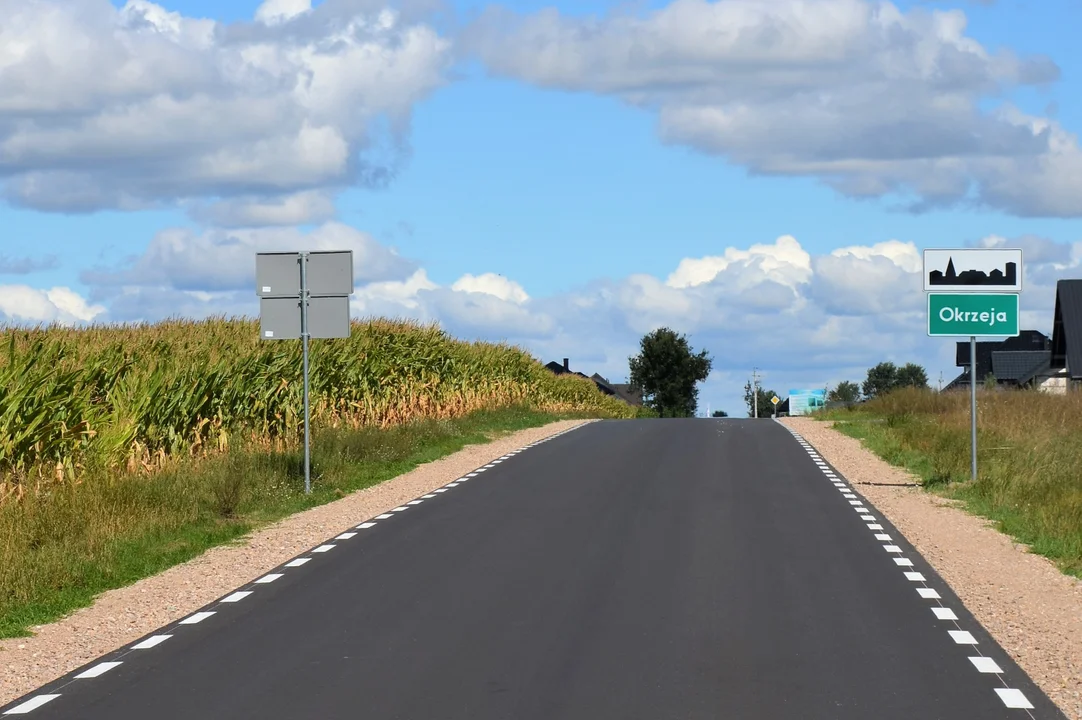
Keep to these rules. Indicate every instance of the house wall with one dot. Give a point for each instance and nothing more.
(1054, 384)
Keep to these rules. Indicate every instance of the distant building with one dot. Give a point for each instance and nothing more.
(1033, 360)
(621, 391)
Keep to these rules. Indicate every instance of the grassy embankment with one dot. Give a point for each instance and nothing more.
(124, 451)
(1029, 458)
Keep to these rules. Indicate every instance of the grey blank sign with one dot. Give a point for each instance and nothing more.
(280, 318)
(278, 275)
(330, 273)
(328, 317)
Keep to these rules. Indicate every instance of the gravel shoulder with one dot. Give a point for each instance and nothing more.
(120, 616)
(1032, 609)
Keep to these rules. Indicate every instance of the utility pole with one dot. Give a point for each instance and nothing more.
(755, 392)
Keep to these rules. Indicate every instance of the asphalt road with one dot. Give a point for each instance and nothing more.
(628, 570)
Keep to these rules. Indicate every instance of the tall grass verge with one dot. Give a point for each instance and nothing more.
(1029, 458)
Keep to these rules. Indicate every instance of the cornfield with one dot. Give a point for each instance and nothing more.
(135, 397)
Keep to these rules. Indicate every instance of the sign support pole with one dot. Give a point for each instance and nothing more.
(304, 354)
(973, 406)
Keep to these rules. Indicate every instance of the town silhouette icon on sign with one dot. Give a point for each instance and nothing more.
(1007, 276)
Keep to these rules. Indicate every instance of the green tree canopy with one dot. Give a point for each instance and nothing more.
(766, 408)
(719, 413)
(912, 375)
(881, 379)
(846, 391)
(886, 376)
(666, 370)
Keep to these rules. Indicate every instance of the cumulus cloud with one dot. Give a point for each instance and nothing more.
(310, 206)
(870, 99)
(492, 284)
(805, 318)
(24, 305)
(134, 107)
(224, 260)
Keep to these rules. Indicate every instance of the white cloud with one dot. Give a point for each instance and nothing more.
(492, 284)
(133, 107)
(870, 99)
(224, 260)
(274, 12)
(805, 318)
(24, 305)
(311, 206)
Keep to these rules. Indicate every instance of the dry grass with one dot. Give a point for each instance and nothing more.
(1029, 457)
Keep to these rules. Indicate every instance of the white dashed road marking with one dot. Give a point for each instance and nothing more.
(914, 576)
(237, 596)
(942, 613)
(323, 548)
(298, 562)
(345, 536)
(904, 562)
(365, 526)
(985, 665)
(962, 637)
(150, 642)
(928, 593)
(31, 704)
(269, 578)
(99, 669)
(1014, 698)
(198, 617)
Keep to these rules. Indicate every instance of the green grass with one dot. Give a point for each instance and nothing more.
(1029, 454)
(58, 551)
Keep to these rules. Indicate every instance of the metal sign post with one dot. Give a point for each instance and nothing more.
(318, 284)
(974, 292)
(304, 362)
(973, 408)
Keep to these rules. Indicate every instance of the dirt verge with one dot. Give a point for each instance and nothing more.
(1032, 609)
(120, 616)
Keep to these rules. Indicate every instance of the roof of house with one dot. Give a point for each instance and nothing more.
(958, 382)
(1067, 328)
(1019, 366)
(628, 393)
(1027, 340)
(556, 367)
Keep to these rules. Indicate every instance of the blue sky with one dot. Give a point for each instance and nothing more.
(549, 167)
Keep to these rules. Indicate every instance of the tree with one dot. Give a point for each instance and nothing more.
(666, 370)
(766, 408)
(846, 391)
(719, 413)
(911, 375)
(881, 379)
